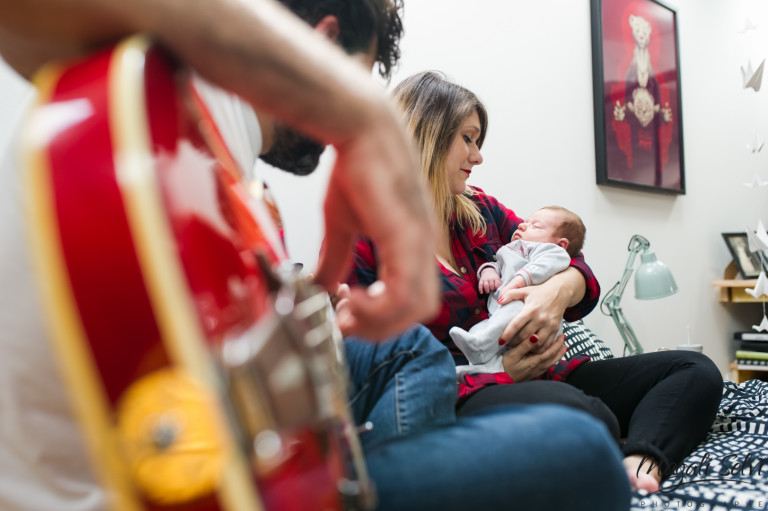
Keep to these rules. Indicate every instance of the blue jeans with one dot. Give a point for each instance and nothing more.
(421, 457)
(402, 386)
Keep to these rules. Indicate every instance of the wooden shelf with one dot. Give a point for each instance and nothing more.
(741, 373)
(733, 290)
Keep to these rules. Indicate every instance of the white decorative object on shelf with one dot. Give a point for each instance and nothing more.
(763, 326)
(757, 240)
(761, 288)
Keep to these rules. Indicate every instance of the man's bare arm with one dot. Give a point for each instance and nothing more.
(254, 48)
(258, 50)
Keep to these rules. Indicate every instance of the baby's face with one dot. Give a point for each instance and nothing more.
(540, 227)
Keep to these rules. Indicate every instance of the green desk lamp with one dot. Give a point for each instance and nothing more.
(652, 280)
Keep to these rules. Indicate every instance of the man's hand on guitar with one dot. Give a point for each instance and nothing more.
(375, 190)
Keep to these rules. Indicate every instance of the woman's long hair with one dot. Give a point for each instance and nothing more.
(434, 109)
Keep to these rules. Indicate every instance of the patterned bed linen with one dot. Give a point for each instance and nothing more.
(726, 472)
(729, 470)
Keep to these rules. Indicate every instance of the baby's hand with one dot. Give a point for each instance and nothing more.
(517, 282)
(489, 281)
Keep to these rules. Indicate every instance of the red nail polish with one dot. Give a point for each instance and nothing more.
(501, 341)
(534, 339)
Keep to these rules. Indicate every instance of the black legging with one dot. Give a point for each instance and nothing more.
(663, 403)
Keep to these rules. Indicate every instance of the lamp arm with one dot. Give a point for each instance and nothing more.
(636, 244)
(613, 299)
(630, 339)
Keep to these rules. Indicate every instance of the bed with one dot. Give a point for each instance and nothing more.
(729, 470)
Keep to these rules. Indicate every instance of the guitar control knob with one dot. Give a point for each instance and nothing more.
(365, 427)
(170, 437)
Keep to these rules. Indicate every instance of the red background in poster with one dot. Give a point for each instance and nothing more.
(618, 51)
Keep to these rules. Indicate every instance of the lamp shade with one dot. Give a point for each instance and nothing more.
(653, 279)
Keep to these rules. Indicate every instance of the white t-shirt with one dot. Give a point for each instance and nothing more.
(237, 124)
(43, 464)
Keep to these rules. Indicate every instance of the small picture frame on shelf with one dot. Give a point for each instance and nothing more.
(762, 256)
(763, 261)
(748, 263)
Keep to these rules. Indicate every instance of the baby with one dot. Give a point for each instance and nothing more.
(541, 246)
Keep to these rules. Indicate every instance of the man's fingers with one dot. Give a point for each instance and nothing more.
(340, 237)
(376, 190)
(343, 291)
(378, 315)
(345, 320)
(339, 297)
(335, 260)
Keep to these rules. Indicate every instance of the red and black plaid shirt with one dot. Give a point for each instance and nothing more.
(462, 304)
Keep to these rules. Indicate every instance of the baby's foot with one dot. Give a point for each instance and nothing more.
(466, 344)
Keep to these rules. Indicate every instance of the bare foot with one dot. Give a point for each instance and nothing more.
(642, 482)
(643, 473)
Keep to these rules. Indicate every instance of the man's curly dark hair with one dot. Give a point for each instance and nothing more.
(360, 21)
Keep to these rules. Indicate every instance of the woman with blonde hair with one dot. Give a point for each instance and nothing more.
(661, 403)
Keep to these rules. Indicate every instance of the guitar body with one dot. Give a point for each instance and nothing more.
(194, 391)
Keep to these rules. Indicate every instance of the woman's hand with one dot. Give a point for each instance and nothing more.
(522, 364)
(543, 311)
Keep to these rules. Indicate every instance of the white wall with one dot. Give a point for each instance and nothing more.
(530, 62)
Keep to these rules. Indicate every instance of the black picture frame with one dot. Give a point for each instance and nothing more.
(748, 263)
(637, 98)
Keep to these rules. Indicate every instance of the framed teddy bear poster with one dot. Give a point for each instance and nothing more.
(636, 75)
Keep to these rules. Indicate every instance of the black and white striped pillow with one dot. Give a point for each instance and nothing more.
(581, 340)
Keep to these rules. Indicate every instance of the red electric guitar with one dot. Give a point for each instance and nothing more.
(205, 374)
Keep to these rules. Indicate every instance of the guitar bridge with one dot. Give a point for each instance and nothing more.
(287, 389)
